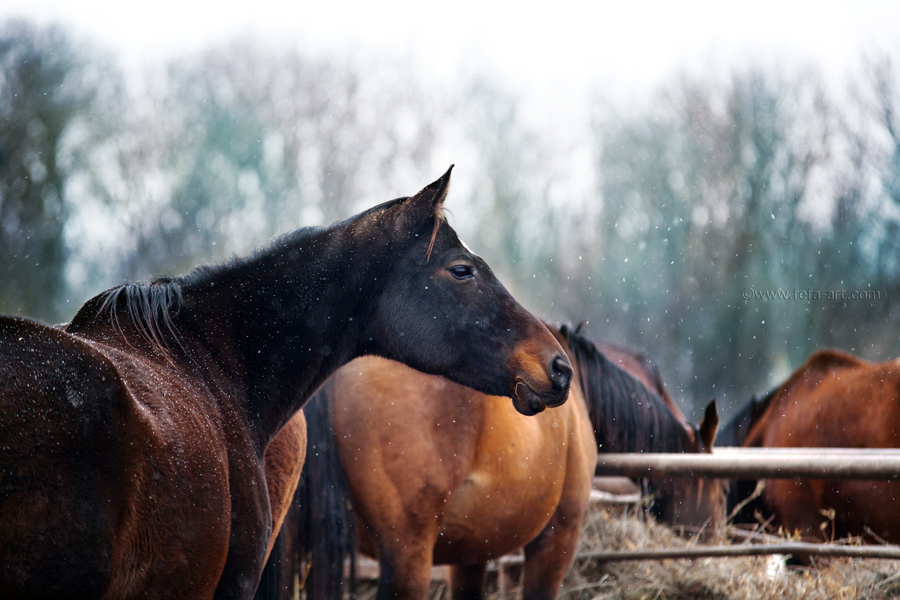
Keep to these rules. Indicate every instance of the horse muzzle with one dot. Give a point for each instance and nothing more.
(529, 401)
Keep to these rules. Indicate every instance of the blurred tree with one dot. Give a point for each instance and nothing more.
(704, 194)
(510, 220)
(882, 104)
(46, 89)
(256, 142)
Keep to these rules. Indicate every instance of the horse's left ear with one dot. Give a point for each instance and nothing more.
(710, 424)
(428, 202)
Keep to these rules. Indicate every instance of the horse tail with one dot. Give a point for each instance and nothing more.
(324, 519)
(274, 584)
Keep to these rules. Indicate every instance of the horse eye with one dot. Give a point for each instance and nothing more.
(461, 272)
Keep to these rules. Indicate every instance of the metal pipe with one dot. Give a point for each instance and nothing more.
(886, 552)
(754, 463)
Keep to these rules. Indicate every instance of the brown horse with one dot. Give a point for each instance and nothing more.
(133, 440)
(834, 400)
(441, 474)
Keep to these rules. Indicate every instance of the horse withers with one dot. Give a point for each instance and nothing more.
(132, 441)
(834, 400)
(438, 473)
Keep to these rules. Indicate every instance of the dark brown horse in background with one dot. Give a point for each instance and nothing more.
(132, 442)
(441, 474)
(835, 400)
(640, 366)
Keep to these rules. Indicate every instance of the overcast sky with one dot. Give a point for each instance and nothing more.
(627, 45)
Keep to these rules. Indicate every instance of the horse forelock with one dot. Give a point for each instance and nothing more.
(625, 415)
(438, 219)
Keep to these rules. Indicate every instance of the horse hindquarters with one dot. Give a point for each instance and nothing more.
(59, 464)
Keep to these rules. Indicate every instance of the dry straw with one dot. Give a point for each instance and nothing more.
(733, 578)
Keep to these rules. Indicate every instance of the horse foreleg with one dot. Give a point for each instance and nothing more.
(467, 581)
(548, 558)
(405, 572)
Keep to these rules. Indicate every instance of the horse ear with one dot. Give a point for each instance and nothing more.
(429, 201)
(710, 424)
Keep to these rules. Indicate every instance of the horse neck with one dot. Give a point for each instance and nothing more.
(276, 324)
(292, 317)
(737, 429)
(626, 416)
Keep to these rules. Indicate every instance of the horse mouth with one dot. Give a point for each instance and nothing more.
(526, 400)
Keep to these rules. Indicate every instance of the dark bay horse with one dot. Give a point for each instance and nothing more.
(833, 400)
(640, 366)
(132, 441)
(438, 473)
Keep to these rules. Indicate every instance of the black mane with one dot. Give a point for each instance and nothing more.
(625, 415)
(152, 307)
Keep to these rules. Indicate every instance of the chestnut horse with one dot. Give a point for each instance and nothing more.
(438, 473)
(834, 400)
(133, 439)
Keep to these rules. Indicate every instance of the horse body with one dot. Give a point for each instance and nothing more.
(442, 474)
(834, 400)
(133, 439)
(505, 480)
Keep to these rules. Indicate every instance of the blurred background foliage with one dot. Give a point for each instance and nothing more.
(663, 225)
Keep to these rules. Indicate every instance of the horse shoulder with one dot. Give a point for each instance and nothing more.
(399, 429)
(179, 448)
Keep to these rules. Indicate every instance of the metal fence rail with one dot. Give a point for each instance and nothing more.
(756, 463)
(730, 551)
(759, 463)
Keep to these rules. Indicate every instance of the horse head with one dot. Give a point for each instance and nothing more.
(443, 312)
(696, 502)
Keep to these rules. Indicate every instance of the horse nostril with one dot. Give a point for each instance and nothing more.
(560, 371)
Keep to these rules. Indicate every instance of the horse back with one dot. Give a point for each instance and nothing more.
(821, 404)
